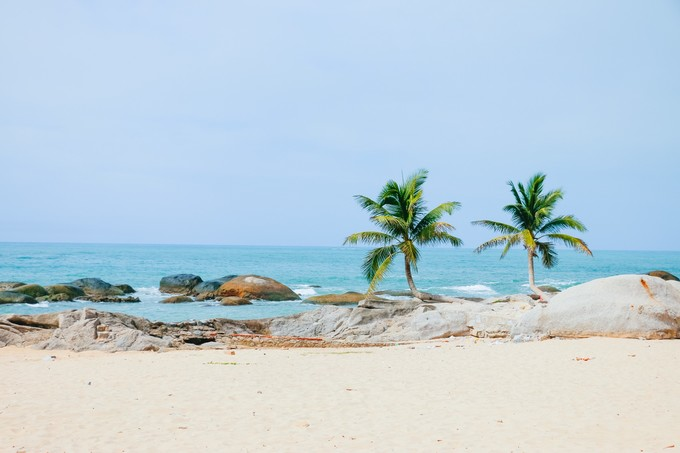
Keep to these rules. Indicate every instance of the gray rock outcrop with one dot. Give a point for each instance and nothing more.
(664, 275)
(336, 299)
(64, 292)
(210, 286)
(32, 290)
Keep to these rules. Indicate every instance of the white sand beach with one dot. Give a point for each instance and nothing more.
(595, 394)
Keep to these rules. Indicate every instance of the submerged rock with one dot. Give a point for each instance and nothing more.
(97, 287)
(256, 287)
(347, 298)
(12, 297)
(179, 283)
(627, 306)
(176, 300)
(234, 301)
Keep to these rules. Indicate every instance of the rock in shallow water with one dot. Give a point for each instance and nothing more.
(256, 287)
(12, 297)
(179, 283)
(97, 287)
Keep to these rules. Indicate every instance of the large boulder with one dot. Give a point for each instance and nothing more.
(179, 283)
(96, 287)
(64, 292)
(32, 290)
(627, 306)
(12, 297)
(210, 286)
(347, 298)
(256, 287)
(664, 275)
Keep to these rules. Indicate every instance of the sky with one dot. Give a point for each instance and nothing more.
(255, 123)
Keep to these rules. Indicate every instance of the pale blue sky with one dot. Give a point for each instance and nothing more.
(255, 122)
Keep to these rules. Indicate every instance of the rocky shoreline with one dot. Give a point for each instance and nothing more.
(626, 306)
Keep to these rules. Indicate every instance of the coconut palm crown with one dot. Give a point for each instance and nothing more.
(534, 226)
(401, 215)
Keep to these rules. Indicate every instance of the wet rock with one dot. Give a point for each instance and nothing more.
(110, 299)
(58, 291)
(96, 287)
(179, 283)
(11, 297)
(233, 301)
(127, 289)
(256, 287)
(32, 290)
(176, 300)
(8, 286)
(210, 286)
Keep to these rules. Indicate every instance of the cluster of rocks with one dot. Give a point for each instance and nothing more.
(90, 289)
(229, 290)
(628, 306)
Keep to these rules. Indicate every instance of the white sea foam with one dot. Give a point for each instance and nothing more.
(304, 291)
(472, 289)
(43, 304)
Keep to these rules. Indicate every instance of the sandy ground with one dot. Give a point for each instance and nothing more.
(457, 395)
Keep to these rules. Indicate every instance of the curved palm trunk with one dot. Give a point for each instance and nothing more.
(532, 282)
(411, 284)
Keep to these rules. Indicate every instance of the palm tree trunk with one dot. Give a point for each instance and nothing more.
(411, 284)
(532, 282)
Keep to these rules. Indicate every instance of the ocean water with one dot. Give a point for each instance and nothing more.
(307, 270)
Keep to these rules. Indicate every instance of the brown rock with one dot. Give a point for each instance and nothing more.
(233, 300)
(177, 300)
(350, 297)
(256, 287)
(663, 274)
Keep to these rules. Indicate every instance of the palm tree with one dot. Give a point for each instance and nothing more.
(534, 226)
(400, 213)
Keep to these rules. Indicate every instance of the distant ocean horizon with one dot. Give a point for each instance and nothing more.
(308, 270)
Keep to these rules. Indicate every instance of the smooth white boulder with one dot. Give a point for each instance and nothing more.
(624, 306)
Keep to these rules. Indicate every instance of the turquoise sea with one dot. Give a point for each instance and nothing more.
(307, 270)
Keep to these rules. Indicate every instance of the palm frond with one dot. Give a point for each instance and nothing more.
(411, 253)
(547, 253)
(434, 215)
(437, 233)
(495, 242)
(497, 226)
(374, 263)
(373, 207)
(393, 225)
(369, 237)
(561, 223)
(573, 242)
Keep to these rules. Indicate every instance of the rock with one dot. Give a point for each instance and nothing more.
(96, 287)
(323, 322)
(55, 298)
(210, 286)
(89, 329)
(179, 283)
(549, 289)
(256, 287)
(110, 299)
(33, 290)
(626, 306)
(350, 297)
(127, 289)
(394, 293)
(233, 300)
(12, 297)
(8, 286)
(70, 291)
(664, 275)
(176, 300)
